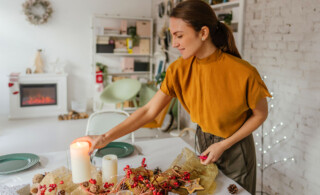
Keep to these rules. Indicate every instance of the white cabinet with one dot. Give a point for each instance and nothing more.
(237, 24)
(113, 45)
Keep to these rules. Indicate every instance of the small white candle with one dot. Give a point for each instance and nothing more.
(80, 162)
(109, 168)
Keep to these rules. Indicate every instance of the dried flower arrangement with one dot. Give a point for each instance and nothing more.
(33, 18)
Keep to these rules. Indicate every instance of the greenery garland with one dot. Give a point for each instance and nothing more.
(33, 18)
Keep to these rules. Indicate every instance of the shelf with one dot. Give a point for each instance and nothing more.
(121, 36)
(123, 55)
(131, 73)
(107, 16)
(225, 5)
(232, 22)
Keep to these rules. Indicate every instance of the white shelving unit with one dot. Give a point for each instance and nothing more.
(113, 60)
(238, 22)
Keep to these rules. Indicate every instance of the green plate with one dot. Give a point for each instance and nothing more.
(121, 149)
(12, 163)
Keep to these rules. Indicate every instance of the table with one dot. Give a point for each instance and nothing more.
(158, 153)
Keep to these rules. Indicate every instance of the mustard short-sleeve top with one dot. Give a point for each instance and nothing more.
(218, 91)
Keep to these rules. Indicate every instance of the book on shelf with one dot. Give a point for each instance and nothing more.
(107, 31)
(120, 51)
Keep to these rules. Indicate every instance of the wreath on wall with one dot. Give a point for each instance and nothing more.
(37, 11)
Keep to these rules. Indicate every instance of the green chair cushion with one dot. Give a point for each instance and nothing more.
(120, 91)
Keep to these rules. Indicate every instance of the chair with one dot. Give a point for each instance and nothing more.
(103, 121)
(121, 91)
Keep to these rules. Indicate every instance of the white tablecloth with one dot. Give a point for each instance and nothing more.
(158, 153)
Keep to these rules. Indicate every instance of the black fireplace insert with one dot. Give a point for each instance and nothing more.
(38, 95)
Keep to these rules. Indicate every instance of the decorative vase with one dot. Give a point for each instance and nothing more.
(38, 62)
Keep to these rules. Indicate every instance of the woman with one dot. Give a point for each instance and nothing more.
(224, 95)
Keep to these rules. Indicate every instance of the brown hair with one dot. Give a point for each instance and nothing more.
(198, 13)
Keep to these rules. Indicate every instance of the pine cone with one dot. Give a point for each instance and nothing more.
(157, 171)
(85, 184)
(62, 192)
(94, 188)
(124, 186)
(233, 189)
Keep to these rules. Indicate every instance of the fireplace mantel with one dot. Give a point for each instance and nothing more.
(17, 111)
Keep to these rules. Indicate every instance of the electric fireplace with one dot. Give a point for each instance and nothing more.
(39, 95)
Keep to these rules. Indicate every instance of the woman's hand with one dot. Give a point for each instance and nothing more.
(213, 153)
(95, 141)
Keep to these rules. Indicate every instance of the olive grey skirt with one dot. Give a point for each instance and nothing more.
(238, 162)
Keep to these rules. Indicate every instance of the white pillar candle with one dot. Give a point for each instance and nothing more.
(80, 162)
(109, 168)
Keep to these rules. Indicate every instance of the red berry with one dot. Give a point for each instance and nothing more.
(61, 182)
(202, 157)
(93, 181)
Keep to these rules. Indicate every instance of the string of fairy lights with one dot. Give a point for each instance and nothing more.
(264, 149)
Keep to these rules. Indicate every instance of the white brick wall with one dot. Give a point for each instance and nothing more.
(283, 42)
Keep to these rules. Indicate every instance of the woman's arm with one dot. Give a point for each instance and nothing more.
(259, 115)
(136, 120)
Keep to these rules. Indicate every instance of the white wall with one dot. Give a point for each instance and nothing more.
(66, 36)
(282, 38)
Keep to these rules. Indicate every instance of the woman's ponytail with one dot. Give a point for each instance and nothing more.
(222, 38)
